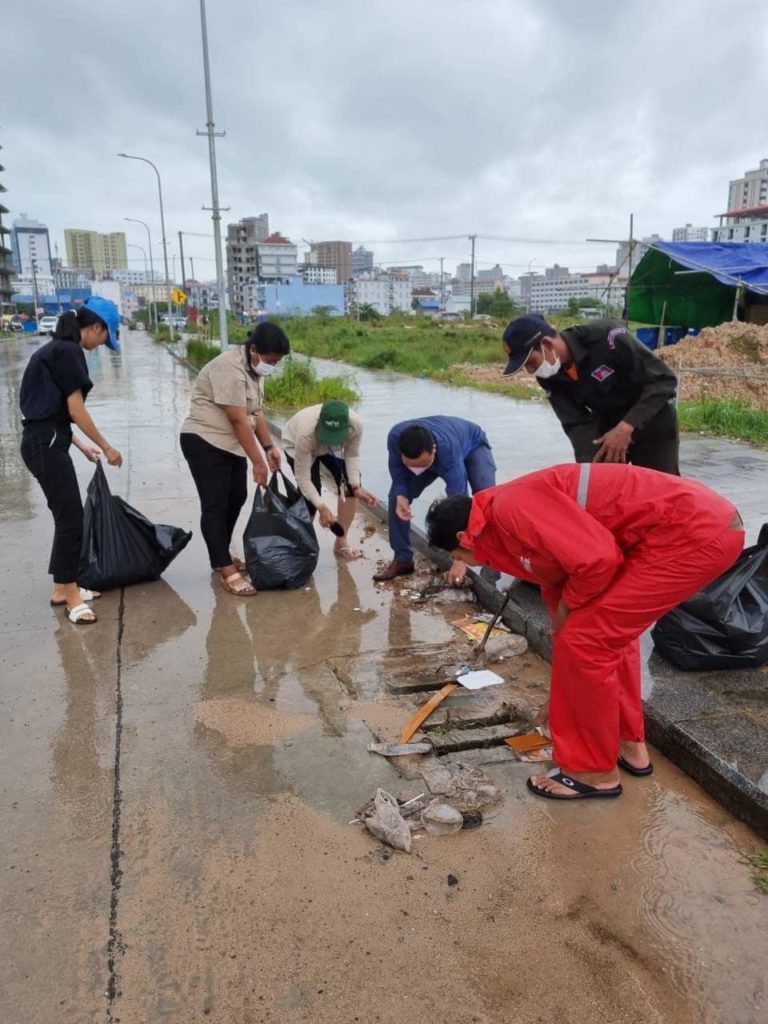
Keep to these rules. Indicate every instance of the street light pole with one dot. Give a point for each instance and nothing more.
(134, 220)
(144, 160)
(34, 294)
(215, 208)
(143, 251)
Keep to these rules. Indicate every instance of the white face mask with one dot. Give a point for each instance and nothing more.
(263, 369)
(547, 369)
(418, 470)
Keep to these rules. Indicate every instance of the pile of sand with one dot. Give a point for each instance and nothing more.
(733, 359)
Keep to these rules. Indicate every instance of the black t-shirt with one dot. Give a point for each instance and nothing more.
(54, 372)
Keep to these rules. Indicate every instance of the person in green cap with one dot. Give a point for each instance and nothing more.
(322, 447)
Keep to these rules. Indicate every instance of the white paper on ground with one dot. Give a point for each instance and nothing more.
(477, 680)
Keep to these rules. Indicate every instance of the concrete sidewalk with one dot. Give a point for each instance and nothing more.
(176, 785)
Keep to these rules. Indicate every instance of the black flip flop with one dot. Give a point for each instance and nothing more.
(581, 790)
(630, 768)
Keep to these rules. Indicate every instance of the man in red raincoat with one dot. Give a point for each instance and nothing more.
(613, 548)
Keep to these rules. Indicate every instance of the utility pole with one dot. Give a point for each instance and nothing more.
(214, 207)
(472, 239)
(181, 257)
(629, 268)
(34, 294)
(442, 285)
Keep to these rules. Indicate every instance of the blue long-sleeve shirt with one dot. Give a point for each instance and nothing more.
(455, 439)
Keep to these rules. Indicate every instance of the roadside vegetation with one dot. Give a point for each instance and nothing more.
(759, 862)
(725, 417)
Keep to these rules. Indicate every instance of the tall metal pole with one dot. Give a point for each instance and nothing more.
(442, 285)
(472, 278)
(144, 160)
(34, 293)
(629, 268)
(133, 220)
(181, 257)
(215, 209)
(143, 251)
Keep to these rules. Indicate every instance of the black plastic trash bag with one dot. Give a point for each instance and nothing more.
(120, 545)
(280, 543)
(725, 625)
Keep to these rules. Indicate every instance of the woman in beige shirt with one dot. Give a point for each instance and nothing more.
(220, 435)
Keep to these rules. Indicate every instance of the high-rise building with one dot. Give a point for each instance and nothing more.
(6, 266)
(337, 255)
(242, 257)
(362, 260)
(94, 251)
(31, 245)
(746, 219)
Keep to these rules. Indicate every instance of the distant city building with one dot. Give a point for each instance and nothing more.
(136, 276)
(746, 219)
(203, 295)
(276, 258)
(94, 251)
(6, 254)
(550, 292)
(69, 277)
(242, 257)
(387, 293)
(690, 234)
(640, 248)
(31, 245)
(312, 274)
(292, 297)
(336, 255)
(362, 260)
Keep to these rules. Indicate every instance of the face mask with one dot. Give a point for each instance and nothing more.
(547, 369)
(337, 450)
(418, 470)
(263, 369)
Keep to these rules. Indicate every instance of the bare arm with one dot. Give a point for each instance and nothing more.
(261, 429)
(82, 419)
(244, 433)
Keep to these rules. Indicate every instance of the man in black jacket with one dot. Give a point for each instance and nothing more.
(614, 398)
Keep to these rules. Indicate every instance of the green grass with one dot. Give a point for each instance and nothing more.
(759, 861)
(297, 385)
(199, 352)
(725, 417)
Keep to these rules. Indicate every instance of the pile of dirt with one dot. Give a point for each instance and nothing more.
(733, 359)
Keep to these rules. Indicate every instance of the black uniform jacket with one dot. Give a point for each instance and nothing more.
(618, 379)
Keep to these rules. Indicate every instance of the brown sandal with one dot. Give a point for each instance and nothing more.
(246, 589)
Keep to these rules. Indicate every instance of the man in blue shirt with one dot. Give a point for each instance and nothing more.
(420, 452)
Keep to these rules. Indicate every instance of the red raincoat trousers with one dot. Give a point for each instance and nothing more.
(621, 546)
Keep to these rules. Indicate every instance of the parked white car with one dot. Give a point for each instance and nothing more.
(47, 324)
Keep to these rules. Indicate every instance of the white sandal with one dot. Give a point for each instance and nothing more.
(76, 614)
(85, 595)
(246, 590)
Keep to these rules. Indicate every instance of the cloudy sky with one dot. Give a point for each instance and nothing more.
(539, 123)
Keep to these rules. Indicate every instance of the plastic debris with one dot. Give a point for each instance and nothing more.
(441, 819)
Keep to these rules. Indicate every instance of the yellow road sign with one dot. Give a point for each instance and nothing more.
(178, 296)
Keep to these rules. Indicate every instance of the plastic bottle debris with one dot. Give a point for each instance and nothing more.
(387, 823)
(441, 819)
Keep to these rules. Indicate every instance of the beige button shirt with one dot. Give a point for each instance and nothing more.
(226, 380)
(301, 443)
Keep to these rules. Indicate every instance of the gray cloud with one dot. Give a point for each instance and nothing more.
(536, 120)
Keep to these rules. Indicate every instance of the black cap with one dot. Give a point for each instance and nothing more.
(523, 334)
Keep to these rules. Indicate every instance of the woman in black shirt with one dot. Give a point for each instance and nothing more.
(52, 397)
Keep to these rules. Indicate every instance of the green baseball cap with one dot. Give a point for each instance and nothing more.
(333, 422)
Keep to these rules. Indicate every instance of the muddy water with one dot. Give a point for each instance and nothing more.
(243, 894)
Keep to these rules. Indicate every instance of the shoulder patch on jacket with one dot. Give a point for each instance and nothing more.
(602, 373)
(612, 336)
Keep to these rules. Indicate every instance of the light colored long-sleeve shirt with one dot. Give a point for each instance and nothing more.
(301, 444)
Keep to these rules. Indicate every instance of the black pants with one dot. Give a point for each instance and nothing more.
(221, 479)
(45, 451)
(656, 446)
(336, 467)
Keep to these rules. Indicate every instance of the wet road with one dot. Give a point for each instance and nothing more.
(175, 787)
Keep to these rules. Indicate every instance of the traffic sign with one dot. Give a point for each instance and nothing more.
(178, 296)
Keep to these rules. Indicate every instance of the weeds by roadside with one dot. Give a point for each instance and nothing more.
(297, 385)
(759, 862)
(725, 417)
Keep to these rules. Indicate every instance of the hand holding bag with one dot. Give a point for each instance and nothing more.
(280, 543)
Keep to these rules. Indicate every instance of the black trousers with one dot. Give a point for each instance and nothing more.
(45, 451)
(336, 467)
(656, 446)
(221, 479)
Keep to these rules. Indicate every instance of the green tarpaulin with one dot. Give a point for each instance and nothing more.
(694, 284)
